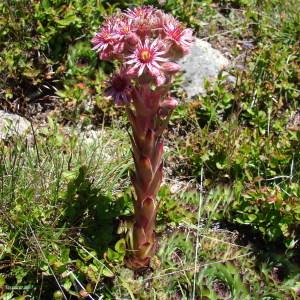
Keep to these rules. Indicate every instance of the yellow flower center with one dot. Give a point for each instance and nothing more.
(145, 56)
(126, 29)
(107, 36)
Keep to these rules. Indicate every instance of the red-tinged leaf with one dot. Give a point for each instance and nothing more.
(156, 181)
(137, 186)
(144, 170)
(157, 155)
(142, 221)
(148, 203)
(139, 236)
(148, 212)
(146, 123)
(149, 143)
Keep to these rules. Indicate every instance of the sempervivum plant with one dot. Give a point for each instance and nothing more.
(146, 42)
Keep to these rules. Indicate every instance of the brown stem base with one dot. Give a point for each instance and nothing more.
(136, 264)
(144, 247)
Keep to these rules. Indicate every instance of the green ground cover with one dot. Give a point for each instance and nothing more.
(229, 222)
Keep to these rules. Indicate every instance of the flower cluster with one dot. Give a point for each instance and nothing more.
(147, 42)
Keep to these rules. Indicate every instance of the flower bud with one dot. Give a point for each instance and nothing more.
(171, 67)
(132, 39)
(169, 103)
(166, 106)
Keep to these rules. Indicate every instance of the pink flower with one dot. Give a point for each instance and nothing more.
(182, 38)
(145, 20)
(105, 38)
(166, 19)
(139, 12)
(119, 88)
(126, 36)
(147, 58)
(104, 42)
(124, 27)
(112, 20)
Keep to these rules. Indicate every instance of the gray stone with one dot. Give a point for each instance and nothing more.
(12, 124)
(204, 63)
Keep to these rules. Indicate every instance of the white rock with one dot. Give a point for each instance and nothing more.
(12, 124)
(204, 63)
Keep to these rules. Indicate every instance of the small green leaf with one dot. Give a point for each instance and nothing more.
(120, 246)
(107, 273)
(2, 281)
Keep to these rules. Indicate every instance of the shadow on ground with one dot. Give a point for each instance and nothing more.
(94, 213)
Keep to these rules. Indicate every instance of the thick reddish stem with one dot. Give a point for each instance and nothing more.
(147, 147)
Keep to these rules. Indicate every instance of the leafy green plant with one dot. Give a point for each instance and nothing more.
(38, 39)
(274, 211)
(81, 60)
(244, 136)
